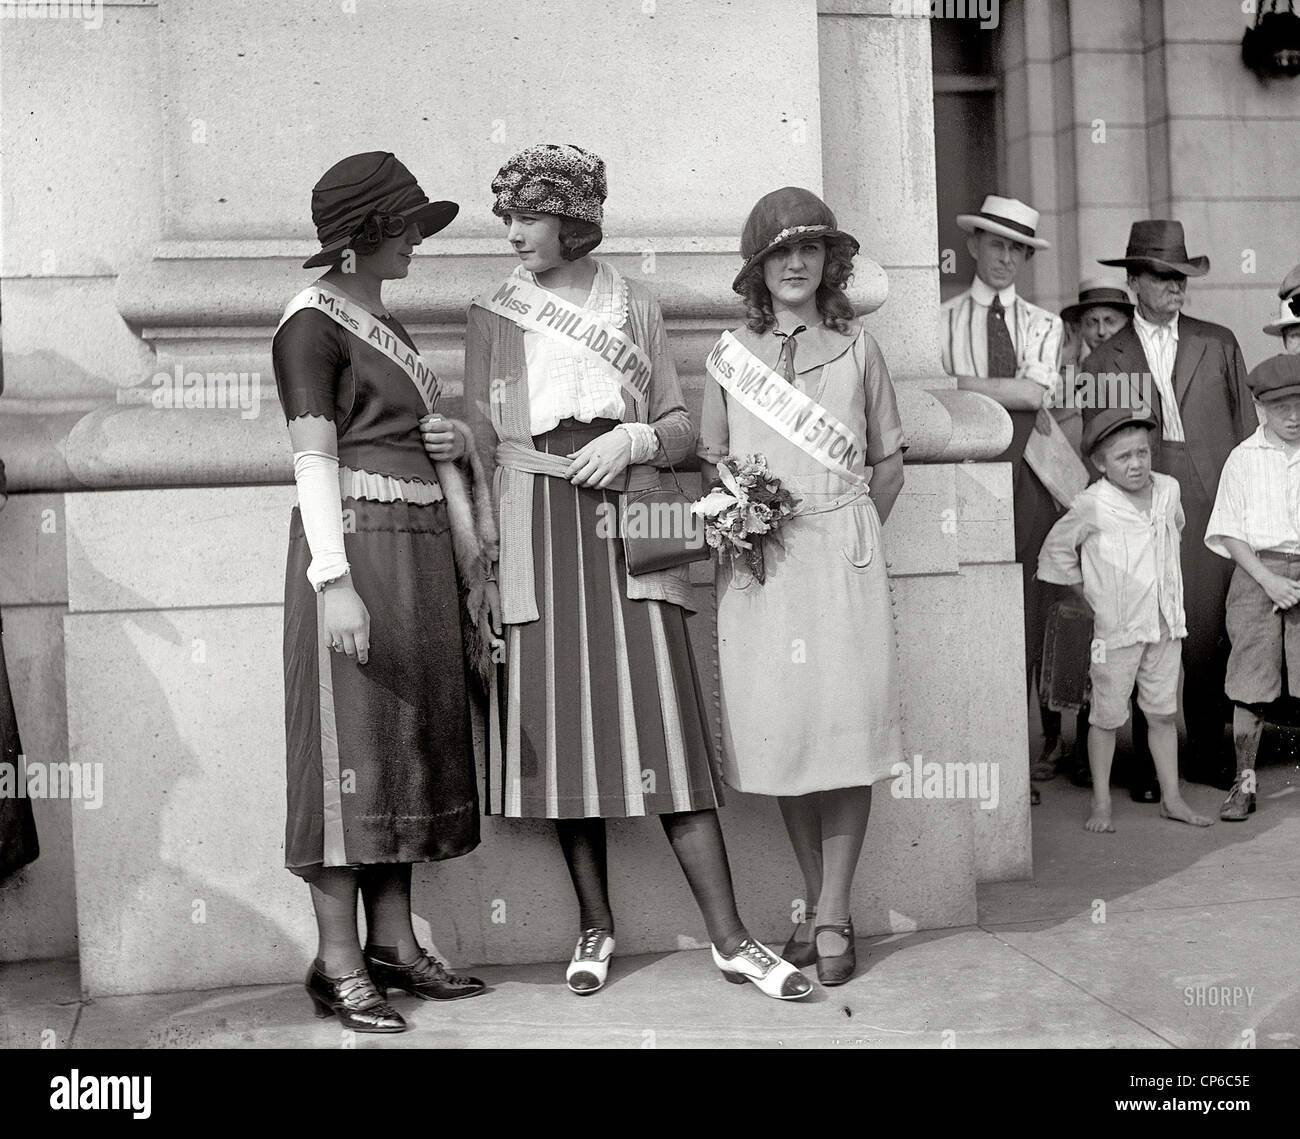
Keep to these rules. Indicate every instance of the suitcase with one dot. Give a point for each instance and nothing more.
(1065, 684)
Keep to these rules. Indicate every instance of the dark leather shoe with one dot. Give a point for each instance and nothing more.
(1211, 772)
(800, 953)
(1237, 805)
(354, 1000)
(1045, 767)
(1145, 792)
(839, 968)
(425, 978)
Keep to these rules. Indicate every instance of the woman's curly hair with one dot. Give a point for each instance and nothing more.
(832, 302)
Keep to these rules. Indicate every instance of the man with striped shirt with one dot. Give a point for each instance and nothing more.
(997, 343)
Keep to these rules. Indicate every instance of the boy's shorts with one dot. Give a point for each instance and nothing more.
(1259, 636)
(1153, 666)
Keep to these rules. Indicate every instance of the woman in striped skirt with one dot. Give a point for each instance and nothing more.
(604, 716)
(380, 759)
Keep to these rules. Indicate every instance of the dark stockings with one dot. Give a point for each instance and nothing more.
(696, 839)
(386, 894)
(583, 844)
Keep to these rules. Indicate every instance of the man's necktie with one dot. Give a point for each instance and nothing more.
(785, 364)
(1002, 353)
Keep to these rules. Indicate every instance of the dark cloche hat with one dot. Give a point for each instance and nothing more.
(785, 215)
(1275, 377)
(1158, 244)
(361, 184)
(1111, 419)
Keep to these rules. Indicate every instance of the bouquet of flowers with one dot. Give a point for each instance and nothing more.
(746, 511)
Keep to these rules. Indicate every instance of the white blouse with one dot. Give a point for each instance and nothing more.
(567, 383)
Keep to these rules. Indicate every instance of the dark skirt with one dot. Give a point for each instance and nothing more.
(604, 716)
(18, 844)
(380, 759)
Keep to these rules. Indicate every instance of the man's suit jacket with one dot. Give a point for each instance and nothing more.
(1209, 383)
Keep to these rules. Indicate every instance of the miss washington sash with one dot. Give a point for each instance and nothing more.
(784, 408)
(536, 310)
(366, 327)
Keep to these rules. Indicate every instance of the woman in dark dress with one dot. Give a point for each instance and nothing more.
(380, 757)
(18, 844)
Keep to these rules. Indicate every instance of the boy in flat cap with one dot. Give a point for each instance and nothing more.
(1120, 541)
(1256, 523)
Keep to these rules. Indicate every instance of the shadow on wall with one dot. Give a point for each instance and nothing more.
(144, 909)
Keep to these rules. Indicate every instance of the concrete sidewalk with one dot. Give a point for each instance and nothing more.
(1160, 935)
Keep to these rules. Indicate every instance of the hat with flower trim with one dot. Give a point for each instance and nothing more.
(779, 218)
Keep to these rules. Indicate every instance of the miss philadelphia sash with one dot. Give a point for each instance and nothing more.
(537, 310)
(784, 408)
(366, 327)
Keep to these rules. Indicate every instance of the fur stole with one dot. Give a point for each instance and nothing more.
(475, 546)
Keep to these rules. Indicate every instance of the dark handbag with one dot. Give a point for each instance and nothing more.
(1065, 683)
(659, 531)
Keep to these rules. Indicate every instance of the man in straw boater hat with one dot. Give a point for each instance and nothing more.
(1287, 325)
(997, 343)
(1192, 376)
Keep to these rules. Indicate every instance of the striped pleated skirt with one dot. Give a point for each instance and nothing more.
(380, 760)
(604, 715)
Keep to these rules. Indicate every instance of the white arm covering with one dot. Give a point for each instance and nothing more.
(321, 506)
(645, 441)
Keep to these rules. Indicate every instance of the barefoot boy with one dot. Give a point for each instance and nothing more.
(1256, 522)
(1120, 541)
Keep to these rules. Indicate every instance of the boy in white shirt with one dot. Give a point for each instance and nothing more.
(1256, 522)
(1119, 541)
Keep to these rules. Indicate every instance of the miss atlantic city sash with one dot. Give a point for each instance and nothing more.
(367, 327)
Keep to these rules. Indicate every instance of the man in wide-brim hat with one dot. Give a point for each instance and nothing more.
(1192, 375)
(995, 342)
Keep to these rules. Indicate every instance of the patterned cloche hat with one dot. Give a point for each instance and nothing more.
(552, 178)
(785, 215)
